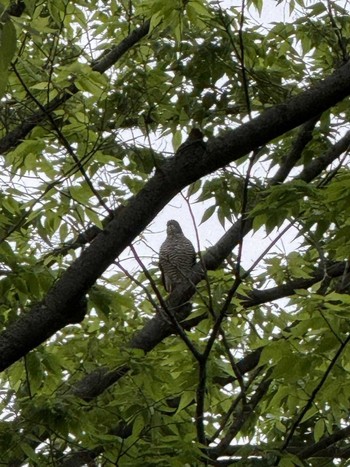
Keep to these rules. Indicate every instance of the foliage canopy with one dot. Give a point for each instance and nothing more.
(246, 367)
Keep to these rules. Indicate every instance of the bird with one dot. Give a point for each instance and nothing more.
(195, 137)
(176, 257)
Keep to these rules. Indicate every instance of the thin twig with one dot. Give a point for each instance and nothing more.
(234, 366)
(138, 283)
(242, 58)
(208, 305)
(65, 142)
(243, 416)
(341, 40)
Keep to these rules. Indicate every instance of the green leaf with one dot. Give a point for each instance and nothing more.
(29, 451)
(177, 139)
(81, 193)
(94, 218)
(7, 51)
(319, 429)
(138, 426)
(187, 399)
(194, 187)
(208, 213)
(8, 44)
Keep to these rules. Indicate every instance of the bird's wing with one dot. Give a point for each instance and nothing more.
(162, 258)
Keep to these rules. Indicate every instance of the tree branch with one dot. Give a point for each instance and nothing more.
(242, 417)
(103, 63)
(314, 393)
(324, 443)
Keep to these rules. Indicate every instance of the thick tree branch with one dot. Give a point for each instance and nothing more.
(303, 138)
(324, 443)
(321, 162)
(257, 297)
(245, 452)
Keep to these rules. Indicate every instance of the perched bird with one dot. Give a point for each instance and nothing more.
(176, 257)
(195, 136)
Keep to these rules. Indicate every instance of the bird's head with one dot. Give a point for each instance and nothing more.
(195, 134)
(173, 227)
